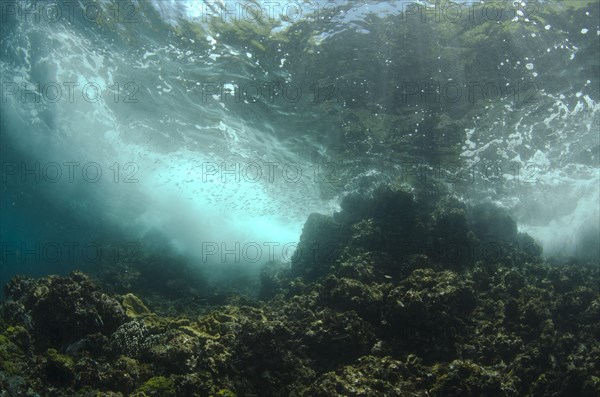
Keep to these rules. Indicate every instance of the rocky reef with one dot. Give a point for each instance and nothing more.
(392, 296)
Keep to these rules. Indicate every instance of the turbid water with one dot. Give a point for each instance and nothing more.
(199, 125)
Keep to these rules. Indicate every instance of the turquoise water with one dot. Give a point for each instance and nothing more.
(213, 129)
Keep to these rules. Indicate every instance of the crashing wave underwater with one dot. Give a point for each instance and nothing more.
(197, 153)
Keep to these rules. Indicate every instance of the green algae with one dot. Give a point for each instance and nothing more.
(225, 393)
(59, 368)
(9, 356)
(134, 307)
(158, 386)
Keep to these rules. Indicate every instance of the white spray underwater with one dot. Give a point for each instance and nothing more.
(215, 189)
(552, 188)
(221, 190)
(568, 226)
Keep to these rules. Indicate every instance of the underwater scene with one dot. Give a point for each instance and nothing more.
(256, 198)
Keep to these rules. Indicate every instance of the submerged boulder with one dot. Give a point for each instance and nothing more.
(63, 310)
(368, 376)
(491, 223)
(319, 247)
(400, 227)
(388, 221)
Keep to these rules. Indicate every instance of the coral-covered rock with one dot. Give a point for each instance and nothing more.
(320, 244)
(337, 337)
(130, 338)
(461, 378)
(369, 376)
(58, 368)
(18, 286)
(65, 309)
(428, 312)
(351, 294)
(174, 350)
(158, 386)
